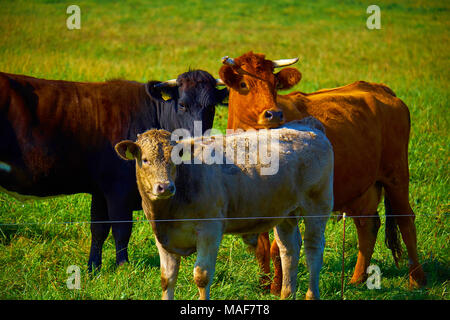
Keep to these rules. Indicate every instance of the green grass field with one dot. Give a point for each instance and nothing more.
(144, 40)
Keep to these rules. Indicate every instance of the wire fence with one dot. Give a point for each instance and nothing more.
(342, 216)
(218, 219)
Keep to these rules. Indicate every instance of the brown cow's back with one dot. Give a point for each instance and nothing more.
(79, 109)
(353, 115)
(58, 135)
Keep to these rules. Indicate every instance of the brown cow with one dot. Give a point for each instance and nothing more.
(368, 127)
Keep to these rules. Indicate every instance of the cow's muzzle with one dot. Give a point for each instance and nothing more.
(164, 190)
(271, 118)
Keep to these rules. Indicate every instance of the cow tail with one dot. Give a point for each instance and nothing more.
(392, 238)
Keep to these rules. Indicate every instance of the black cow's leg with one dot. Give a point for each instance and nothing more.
(119, 210)
(99, 230)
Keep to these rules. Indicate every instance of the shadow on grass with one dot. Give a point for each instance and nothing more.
(7, 232)
(394, 283)
(146, 256)
(148, 261)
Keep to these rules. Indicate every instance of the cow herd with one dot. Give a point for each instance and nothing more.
(336, 149)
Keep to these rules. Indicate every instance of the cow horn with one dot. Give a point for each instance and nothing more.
(219, 82)
(168, 83)
(284, 62)
(228, 61)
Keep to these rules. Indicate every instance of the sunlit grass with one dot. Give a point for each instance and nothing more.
(145, 40)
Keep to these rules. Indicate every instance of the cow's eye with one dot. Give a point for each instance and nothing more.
(181, 107)
(145, 161)
(243, 85)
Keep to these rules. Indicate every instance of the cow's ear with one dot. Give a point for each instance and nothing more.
(231, 78)
(161, 93)
(128, 150)
(169, 93)
(287, 78)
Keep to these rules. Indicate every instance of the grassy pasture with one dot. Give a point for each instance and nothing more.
(143, 40)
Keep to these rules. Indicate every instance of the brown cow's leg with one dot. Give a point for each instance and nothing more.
(400, 205)
(417, 276)
(262, 254)
(275, 287)
(367, 229)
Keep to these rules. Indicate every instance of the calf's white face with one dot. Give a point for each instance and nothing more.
(155, 171)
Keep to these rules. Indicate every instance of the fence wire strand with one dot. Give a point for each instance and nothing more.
(340, 216)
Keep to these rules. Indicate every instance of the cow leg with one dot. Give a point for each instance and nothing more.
(260, 246)
(262, 255)
(257, 244)
(99, 230)
(288, 238)
(120, 210)
(399, 205)
(367, 229)
(314, 239)
(275, 287)
(417, 277)
(208, 241)
(170, 264)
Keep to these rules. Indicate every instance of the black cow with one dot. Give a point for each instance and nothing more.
(58, 137)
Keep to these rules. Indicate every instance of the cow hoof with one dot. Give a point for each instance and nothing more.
(311, 296)
(275, 289)
(417, 279)
(358, 279)
(122, 264)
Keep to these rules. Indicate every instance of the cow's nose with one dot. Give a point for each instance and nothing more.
(164, 189)
(276, 116)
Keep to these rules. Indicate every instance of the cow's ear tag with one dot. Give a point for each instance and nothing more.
(128, 154)
(133, 152)
(165, 96)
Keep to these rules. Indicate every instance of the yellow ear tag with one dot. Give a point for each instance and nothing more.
(129, 155)
(165, 96)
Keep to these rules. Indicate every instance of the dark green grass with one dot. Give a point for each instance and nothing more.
(143, 40)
